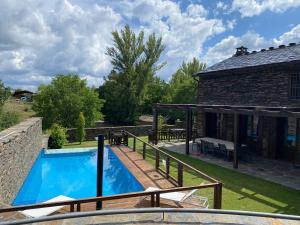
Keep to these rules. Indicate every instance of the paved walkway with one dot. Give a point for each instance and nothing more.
(280, 172)
(173, 218)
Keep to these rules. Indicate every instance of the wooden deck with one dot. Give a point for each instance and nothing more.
(145, 174)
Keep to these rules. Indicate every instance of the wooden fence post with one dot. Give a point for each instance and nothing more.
(134, 144)
(180, 175)
(168, 166)
(156, 159)
(157, 201)
(144, 150)
(218, 196)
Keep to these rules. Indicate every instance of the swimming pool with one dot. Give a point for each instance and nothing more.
(72, 172)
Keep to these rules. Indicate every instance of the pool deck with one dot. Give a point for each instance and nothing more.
(145, 174)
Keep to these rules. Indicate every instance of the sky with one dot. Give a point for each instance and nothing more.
(41, 38)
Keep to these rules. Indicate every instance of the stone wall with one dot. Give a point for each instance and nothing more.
(19, 147)
(91, 133)
(265, 88)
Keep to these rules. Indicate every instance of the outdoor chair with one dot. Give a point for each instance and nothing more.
(211, 148)
(223, 151)
(245, 154)
(39, 212)
(204, 146)
(182, 197)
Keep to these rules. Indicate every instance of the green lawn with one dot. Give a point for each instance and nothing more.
(84, 144)
(240, 191)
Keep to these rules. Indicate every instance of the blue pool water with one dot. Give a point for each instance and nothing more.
(74, 175)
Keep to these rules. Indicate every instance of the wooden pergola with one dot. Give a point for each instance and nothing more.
(235, 110)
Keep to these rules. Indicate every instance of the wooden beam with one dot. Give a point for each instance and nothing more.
(297, 157)
(236, 141)
(187, 131)
(155, 125)
(191, 124)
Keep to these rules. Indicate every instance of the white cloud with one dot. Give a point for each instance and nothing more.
(41, 38)
(226, 48)
(249, 8)
(252, 40)
(184, 32)
(231, 24)
(289, 37)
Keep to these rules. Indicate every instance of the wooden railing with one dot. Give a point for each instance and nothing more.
(178, 180)
(75, 205)
(168, 135)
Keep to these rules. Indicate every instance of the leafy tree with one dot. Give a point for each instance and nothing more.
(57, 136)
(135, 63)
(64, 98)
(157, 91)
(80, 128)
(183, 86)
(4, 93)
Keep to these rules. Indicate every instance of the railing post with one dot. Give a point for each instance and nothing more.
(156, 159)
(152, 200)
(168, 166)
(144, 150)
(180, 175)
(72, 208)
(134, 144)
(157, 202)
(100, 154)
(78, 207)
(218, 196)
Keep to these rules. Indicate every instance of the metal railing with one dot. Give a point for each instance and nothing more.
(178, 180)
(149, 210)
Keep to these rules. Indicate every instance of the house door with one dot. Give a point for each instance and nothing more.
(243, 128)
(211, 124)
(281, 137)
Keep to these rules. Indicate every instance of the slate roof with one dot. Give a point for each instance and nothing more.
(276, 55)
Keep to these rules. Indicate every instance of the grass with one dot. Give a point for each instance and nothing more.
(23, 109)
(240, 191)
(84, 144)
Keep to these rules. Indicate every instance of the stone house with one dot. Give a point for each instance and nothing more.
(262, 88)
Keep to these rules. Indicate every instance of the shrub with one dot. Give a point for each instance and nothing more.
(160, 122)
(80, 128)
(8, 119)
(57, 137)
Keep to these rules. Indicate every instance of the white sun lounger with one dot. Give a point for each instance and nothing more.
(182, 197)
(35, 213)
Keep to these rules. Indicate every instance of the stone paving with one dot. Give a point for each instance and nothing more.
(174, 218)
(277, 171)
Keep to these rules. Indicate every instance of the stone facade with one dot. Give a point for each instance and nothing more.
(257, 88)
(91, 133)
(19, 147)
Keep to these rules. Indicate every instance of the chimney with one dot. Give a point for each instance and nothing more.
(241, 51)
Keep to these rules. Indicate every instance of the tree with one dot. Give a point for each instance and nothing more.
(157, 91)
(183, 86)
(80, 128)
(64, 98)
(4, 93)
(57, 136)
(135, 63)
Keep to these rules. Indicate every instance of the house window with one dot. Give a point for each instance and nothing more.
(295, 86)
